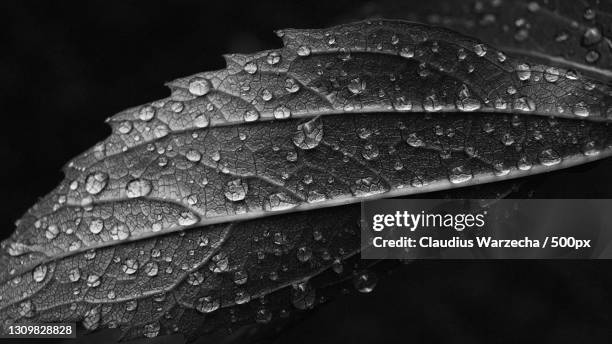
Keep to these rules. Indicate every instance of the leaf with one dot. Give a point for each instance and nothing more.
(573, 34)
(221, 194)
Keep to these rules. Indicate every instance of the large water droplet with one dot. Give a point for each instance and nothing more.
(291, 85)
(193, 155)
(309, 134)
(96, 182)
(138, 188)
(199, 86)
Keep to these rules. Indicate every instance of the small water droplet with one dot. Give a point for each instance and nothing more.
(193, 155)
(273, 58)
(201, 121)
(458, 175)
(242, 297)
(220, 263)
(93, 281)
(357, 86)
(236, 190)
(291, 85)
(96, 226)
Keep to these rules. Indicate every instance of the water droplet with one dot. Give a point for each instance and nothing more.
(458, 175)
(130, 267)
(431, 104)
(407, 52)
(303, 295)
(580, 109)
(251, 115)
(146, 113)
(273, 58)
(501, 57)
(93, 281)
(39, 273)
(591, 36)
(236, 190)
(125, 127)
(96, 182)
(282, 112)
(291, 85)
(365, 281)
(151, 269)
(468, 104)
(523, 71)
(96, 226)
(193, 155)
(74, 275)
(524, 164)
(51, 232)
(592, 56)
(549, 157)
(199, 86)
(176, 106)
(187, 218)
(303, 51)
(266, 95)
(250, 68)
(242, 297)
(370, 151)
(414, 141)
(309, 134)
(119, 232)
(201, 121)
(207, 304)
(480, 50)
(551, 74)
(138, 188)
(524, 104)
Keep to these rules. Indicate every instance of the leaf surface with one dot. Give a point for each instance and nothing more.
(221, 194)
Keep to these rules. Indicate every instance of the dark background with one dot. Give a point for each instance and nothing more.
(66, 67)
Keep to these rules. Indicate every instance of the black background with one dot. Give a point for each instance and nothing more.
(66, 67)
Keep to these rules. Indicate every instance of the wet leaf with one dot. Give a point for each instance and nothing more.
(211, 208)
